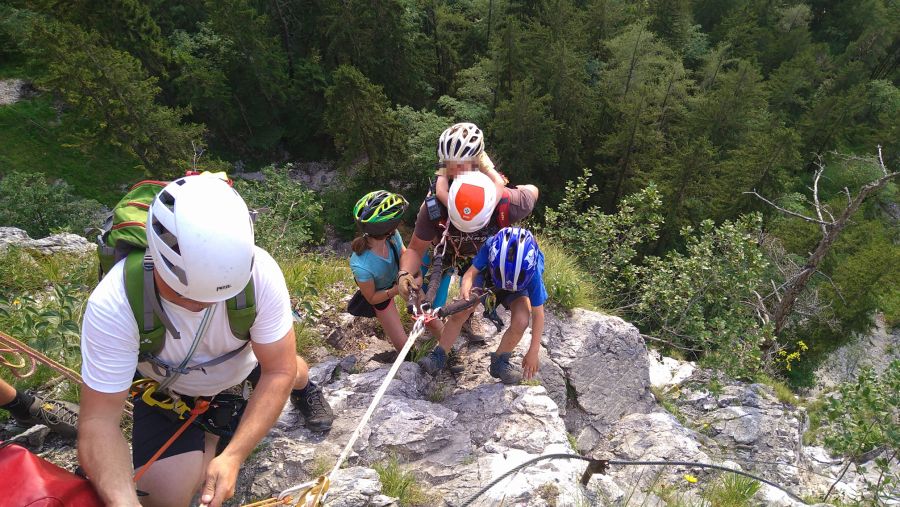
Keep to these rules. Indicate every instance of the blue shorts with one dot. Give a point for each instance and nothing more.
(504, 297)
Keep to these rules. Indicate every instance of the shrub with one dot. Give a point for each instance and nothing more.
(863, 416)
(697, 300)
(290, 215)
(29, 202)
(604, 244)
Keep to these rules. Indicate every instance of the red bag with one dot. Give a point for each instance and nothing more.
(28, 480)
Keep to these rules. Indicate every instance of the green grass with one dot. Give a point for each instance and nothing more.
(315, 282)
(732, 490)
(22, 271)
(35, 140)
(568, 286)
(401, 484)
(782, 391)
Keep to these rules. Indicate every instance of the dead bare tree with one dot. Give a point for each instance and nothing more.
(831, 228)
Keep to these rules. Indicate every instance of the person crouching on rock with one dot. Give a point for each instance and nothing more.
(516, 268)
(376, 260)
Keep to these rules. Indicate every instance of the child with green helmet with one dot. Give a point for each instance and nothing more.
(376, 259)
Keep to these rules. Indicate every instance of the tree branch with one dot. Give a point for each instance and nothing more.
(815, 189)
(792, 213)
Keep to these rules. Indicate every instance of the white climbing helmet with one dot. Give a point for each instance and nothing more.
(200, 237)
(473, 197)
(460, 143)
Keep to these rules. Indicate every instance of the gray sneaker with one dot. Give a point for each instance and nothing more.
(434, 361)
(502, 369)
(472, 337)
(60, 416)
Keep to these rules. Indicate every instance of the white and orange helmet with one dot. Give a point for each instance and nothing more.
(473, 197)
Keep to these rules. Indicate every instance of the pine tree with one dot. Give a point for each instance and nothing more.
(359, 117)
(524, 133)
(112, 91)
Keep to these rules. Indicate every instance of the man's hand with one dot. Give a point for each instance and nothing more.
(406, 283)
(530, 363)
(221, 476)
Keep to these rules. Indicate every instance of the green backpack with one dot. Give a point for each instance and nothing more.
(124, 236)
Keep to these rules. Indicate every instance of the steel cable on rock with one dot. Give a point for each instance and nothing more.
(616, 462)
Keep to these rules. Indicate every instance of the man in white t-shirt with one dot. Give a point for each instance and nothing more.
(200, 239)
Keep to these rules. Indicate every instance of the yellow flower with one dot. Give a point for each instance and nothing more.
(690, 478)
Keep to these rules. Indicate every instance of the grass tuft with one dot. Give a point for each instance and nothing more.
(732, 490)
(400, 483)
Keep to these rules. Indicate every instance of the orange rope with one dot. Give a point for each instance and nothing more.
(11, 342)
(199, 407)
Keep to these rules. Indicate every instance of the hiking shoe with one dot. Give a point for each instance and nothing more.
(60, 416)
(472, 337)
(502, 369)
(435, 361)
(314, 407)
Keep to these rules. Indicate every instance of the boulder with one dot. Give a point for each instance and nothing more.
(603, 360)
(57, 243)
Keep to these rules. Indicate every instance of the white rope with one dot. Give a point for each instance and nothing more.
(417, 330)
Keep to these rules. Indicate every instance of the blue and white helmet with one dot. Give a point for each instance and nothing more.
(512, 257)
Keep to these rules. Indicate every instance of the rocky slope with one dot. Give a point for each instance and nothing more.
(459, 431)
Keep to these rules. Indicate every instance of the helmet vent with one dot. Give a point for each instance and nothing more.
(182, 277)
(166, 236)
(168, 200)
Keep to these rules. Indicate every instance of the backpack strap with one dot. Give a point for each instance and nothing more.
(141, 292)
(242, 312)
(153, 322)
(502, 210)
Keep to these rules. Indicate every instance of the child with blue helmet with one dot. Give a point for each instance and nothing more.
(515, 266)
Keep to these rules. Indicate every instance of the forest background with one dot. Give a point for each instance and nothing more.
(660, 115)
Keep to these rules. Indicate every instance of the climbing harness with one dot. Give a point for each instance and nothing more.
(600, 466)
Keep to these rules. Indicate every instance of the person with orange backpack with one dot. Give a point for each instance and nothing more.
(478, 206)
(201, 310)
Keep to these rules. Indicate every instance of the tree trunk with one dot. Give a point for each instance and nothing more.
(832, 232)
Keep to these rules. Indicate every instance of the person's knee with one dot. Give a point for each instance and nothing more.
(520, 317)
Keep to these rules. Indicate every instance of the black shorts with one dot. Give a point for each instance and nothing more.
(154, 426)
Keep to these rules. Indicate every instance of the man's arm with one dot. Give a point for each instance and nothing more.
(468, 279)
(102, 449)
(278, 367)
(410, 264)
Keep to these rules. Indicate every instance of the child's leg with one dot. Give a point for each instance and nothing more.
(452, 327)
(520, 317)
(393, 328)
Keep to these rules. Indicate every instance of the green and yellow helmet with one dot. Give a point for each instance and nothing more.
(379, 212)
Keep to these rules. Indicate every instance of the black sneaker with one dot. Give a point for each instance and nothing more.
(315, 408)
(502, 369)
(435, 361)
(60, 416)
